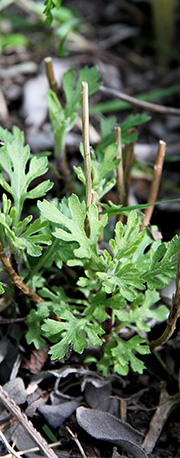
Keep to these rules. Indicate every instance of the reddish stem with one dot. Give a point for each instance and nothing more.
(108, 323)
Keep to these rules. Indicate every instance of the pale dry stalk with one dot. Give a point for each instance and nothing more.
(50, 74)
(10, 449)
(85, 125)
(120, 172)
(27, 425)
(87, 159)
(128, 154)
(77, 442)
(53, 85)
(157, 172)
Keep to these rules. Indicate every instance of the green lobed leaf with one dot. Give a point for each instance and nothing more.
(61, 123)
(73, 228)
(23, 224)
(34, 322)
(123, 355)
(68, 82)
(108, 134)
(97, 307)
(161, 261)
(102, 181)
(140, 310)
(23, 238)
(73, 94)
(36, 317)
(14, 159)
(80, 174)
(71, 330)
(127, 238)
(126, 279)
(133, 121)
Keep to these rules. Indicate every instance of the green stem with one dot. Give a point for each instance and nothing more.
(42, 261)
(18, 205)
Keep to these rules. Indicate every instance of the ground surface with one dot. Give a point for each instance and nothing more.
(119, 40)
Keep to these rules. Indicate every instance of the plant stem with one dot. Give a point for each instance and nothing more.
(173, 314)
(140, 103)
(50, 74)
(87, 162)
(16, 279)
(108, 323)
(43, 259)
(158, 166)
(120, 172)
(8, 446)
(77, 442)
(128, 155)
(60, 147)
(18, 205)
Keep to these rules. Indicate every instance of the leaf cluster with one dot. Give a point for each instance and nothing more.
(49, 6)
(124, 278)
(109, 281)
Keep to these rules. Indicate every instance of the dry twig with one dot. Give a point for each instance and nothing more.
(53, 86)
(7, 445)
(158, 166)
(87, 163)
(3, 107)
(27, 425)
(166, 405)
(128, 155)
(31, 450)
(16, 279)
(50, 74)
(139, 103)
(85, 124)
(120, 172)
(77, 442)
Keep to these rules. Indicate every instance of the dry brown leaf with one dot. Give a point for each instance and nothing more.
(36, 360)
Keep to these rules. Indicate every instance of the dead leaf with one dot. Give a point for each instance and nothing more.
(62, 406)
(35, 400)
(104, 426)
(98, 394)
(166, 406)
(37, 360)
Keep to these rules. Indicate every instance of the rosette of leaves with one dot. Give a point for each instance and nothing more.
(124, 282)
